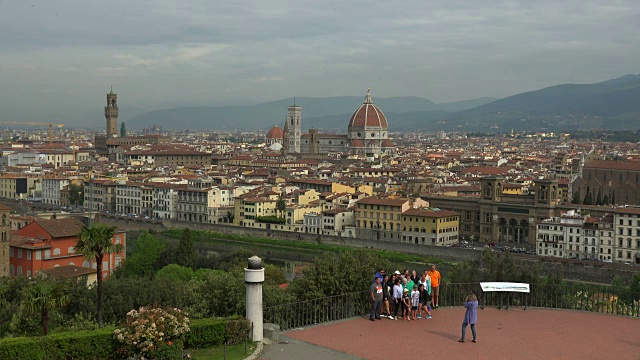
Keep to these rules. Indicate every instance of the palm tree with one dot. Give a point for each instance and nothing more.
(44, 296)
(94, 243)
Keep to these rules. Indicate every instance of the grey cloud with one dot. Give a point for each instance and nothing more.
(169, 53)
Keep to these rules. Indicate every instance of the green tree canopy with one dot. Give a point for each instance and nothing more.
(175, 272)
(338, 273)
(143, 261)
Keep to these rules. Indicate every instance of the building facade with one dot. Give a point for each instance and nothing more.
(498, 217)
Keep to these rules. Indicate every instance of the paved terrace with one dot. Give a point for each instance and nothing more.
(502, 334)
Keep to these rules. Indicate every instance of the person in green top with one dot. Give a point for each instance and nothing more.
(409, 285)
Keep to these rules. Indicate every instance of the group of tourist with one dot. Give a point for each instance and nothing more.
(414, 297)
(411, 295)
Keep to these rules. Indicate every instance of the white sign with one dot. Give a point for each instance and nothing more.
(504, 286)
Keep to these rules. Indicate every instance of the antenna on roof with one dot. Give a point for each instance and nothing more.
(294, 101)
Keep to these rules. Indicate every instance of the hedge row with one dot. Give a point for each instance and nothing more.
(86, 344)
(100, 344)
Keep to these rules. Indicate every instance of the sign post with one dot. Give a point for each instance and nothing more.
(507, 287)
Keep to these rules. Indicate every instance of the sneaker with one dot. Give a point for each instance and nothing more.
(419, 316)
(390, 317)
(429, 317)
(461, 340)
(474, 340)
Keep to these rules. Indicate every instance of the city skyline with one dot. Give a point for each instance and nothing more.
(59, 58)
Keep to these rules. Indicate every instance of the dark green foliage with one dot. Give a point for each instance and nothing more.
(101, 345)
(270, 219)
(214, 332)
(599, 198)
(143, 261)
(175, 272)
(21, 348)
(338, 273)
(587, 198)
(576, 196)
(281, 206)
(495, 267)
(186, 254)
(97, 344)
(125, 293)
(76, 195)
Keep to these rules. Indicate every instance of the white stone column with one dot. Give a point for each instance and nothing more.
(253, 279)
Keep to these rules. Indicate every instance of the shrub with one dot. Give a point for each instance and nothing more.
(214, 332)
(101, 344)
(21, 348)
(151, 329)
(96, 344)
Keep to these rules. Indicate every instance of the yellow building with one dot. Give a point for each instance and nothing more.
(429, 226)
(381, 218)
(512, 189)
(248, 207)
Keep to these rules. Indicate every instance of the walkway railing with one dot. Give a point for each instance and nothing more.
(317, 311)
(571, 296)
(577, 296)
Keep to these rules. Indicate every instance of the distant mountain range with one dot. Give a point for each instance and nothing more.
(613, 104)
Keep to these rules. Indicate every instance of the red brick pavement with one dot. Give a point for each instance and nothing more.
(502, 334)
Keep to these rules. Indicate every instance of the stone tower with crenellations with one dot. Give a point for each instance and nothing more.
(4, 241)
(111, 114)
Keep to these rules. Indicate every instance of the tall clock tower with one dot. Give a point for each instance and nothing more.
(111, 114)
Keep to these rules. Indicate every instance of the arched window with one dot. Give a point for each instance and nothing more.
(56, 251)
(19, 271)
(71, 250)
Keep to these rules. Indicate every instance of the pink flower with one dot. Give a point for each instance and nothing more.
(170, 343)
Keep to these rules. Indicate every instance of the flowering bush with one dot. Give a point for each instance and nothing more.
(152, 331)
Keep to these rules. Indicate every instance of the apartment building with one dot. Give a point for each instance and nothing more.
(336, 221)
(577, 236)
(430, 226)
(165, 200)
(627, 235)
(100, 195)
(128, 198)
(51, 188)
(381, 218)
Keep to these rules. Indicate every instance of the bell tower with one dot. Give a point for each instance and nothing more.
(294, 127)
(111, 114)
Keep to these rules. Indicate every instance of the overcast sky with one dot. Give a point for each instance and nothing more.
(59, 57)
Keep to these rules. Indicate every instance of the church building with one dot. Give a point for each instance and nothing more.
(367, 134)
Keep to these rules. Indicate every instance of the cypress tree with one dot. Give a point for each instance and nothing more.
(587, 198)
(186, 254)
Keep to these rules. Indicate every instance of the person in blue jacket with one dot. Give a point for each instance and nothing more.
(470, 316)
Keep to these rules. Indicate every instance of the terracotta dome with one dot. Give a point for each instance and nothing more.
(368, 115)
(276, 132)
(387, 143)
